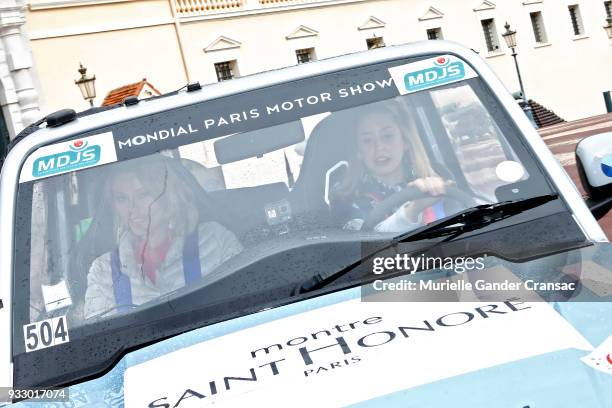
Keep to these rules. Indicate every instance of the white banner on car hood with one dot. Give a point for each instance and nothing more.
(348, 352)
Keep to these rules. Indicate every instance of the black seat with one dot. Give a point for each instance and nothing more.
(328, 145)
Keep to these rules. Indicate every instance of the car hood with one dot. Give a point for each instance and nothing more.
(339, 350)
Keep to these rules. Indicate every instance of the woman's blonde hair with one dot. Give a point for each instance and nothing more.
(416, 158)
(159, 177)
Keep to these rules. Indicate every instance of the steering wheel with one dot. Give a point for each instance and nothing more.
(395, 200)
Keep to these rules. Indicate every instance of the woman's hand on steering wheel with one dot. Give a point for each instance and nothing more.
(433, 187)
(413, 194)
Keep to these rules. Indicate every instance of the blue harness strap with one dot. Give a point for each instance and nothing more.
(192, 271)
(121, 284)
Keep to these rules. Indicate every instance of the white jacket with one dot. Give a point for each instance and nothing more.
(216, 245)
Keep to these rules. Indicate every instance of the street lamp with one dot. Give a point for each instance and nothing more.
(510, 38)
(608, 27)
(86, 85)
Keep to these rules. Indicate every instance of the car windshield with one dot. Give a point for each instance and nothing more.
(190, 203)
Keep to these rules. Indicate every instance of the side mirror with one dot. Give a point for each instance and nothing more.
(594, 163)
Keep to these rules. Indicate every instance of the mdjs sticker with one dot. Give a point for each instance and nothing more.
(78, 155)
(69, 156)
(430, 73)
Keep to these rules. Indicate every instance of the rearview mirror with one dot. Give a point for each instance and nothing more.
(256, 143)
(594, 163)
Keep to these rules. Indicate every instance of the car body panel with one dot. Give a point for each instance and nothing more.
(533, 357)
(98, 389)
(562, 140)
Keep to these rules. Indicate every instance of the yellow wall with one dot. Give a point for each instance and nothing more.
(567, 76)
(116, 57)
(90, 16)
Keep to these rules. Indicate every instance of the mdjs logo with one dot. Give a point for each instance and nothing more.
(79, 155)
(69, 156)
(430, 73)
(441, 73)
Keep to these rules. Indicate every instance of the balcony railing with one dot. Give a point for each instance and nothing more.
(190, 8)
(199, 7)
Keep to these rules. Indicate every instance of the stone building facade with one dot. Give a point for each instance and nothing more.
(18, 91)
(564, 53)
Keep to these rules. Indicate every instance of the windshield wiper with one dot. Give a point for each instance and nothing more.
(452, 226)
(474, 218)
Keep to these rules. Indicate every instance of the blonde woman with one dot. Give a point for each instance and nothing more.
(161, 242)
(386, 157)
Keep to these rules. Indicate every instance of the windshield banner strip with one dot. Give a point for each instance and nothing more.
(253, 110)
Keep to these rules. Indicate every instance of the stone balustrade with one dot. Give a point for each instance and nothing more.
(200, 7)
(191, 8)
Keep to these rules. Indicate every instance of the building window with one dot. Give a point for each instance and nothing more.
(608, 6)
(576, 19)
(434, 34)
(375, 42)
(226, 70)
(490, 34)
(305, 55)
(537, 23)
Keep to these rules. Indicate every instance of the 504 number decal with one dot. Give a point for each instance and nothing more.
(46, 333)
